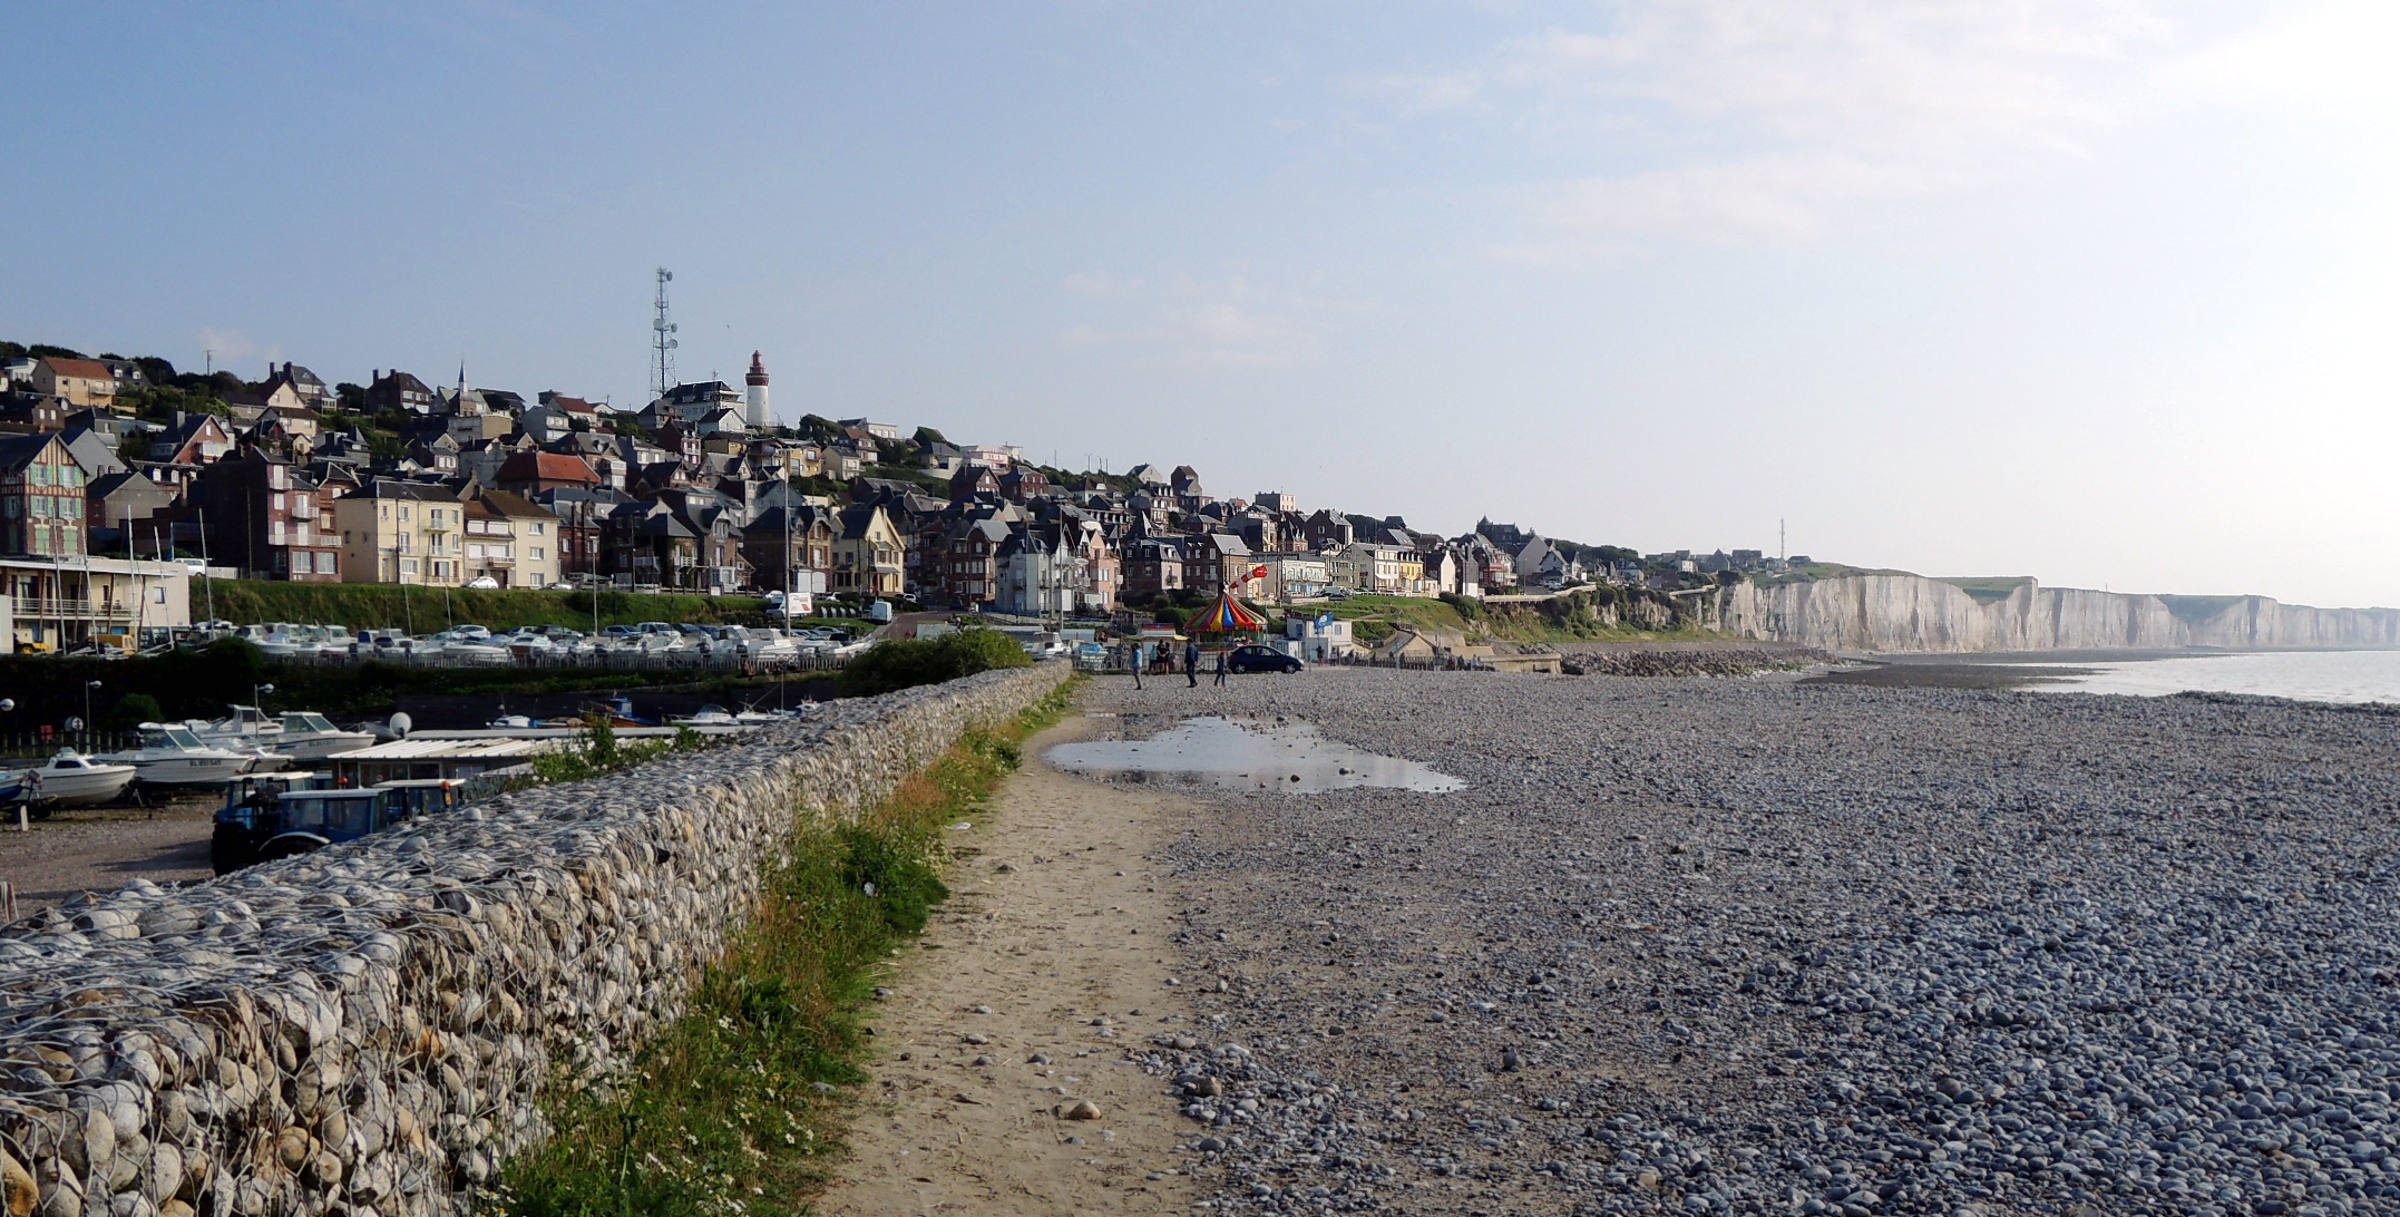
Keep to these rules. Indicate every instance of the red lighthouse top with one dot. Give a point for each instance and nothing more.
(758, 369)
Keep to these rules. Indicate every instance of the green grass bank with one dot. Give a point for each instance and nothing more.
(737, 1106)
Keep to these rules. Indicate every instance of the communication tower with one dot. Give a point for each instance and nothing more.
(662, 335)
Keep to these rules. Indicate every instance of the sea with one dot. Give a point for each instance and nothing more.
(2331, 676)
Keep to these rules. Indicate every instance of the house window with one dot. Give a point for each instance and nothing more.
(326, 564)
(408, 566)
(537, 531)
(404, 511)
(537, 550)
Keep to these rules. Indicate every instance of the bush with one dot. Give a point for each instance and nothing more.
(904, 663)
(131, 711)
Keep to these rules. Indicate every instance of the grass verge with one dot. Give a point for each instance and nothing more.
(736, 1107)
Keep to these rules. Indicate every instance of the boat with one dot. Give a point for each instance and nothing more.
(72, 779)
(706, 716)
(170, 755)
(307, 736)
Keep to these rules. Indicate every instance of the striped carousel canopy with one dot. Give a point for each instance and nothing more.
(1226, 616)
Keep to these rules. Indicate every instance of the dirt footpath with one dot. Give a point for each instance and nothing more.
(1051, 961)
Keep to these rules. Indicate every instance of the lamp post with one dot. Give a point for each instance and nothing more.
(88, 686)
(258, 696)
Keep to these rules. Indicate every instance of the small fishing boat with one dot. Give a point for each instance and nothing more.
(170, 755)
(72, 779)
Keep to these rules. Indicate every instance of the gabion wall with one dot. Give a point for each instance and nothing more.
(367, 1029)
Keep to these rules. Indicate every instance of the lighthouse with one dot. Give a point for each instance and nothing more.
(759, 419)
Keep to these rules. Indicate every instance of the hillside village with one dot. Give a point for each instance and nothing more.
(398, 480)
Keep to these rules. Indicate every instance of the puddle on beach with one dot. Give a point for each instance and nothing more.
(1247, 754)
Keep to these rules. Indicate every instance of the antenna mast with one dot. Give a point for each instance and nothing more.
(662, 335)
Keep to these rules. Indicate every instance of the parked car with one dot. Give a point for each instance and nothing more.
(1255, 658)
(484, 583)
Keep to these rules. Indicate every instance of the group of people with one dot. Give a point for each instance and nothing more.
(1191, 662)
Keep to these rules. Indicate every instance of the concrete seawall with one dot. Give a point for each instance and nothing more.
(368, 1029)
(1910, 613)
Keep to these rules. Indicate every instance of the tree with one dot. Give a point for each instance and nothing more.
(43, 350)
(130, 712)
(927, 435)
(12, 350)
(353, 397)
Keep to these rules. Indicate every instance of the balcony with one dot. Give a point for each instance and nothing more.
(48, 608)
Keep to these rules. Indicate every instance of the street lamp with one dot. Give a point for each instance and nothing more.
(258, 696)
(87, 700)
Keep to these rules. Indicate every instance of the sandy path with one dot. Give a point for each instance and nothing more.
(1058, 921)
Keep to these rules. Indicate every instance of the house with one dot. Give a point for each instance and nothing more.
(306, 389)
(41, 497)
(692, 402)
(1219, 560)
(1365, 566)
(869, 554)
(95, 455)
(885, 431)
(396, 531)
(191, 439)
(1153, 567)
(27, 412)
(80, 383)
(1039, 574)
(398, 391)
(109, 426)
(974, 482)
(119, 508)
(1024, 484)
(968, 574)
(266, 517)
(1321, 637)
(530, 472)
(1295, 576)
(790, 548)
(510, 540)
(51, 605)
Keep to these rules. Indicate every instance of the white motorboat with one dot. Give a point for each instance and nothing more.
(170, 755)
(242, 727)
(71, 779)
(706, 716)
(307, 736)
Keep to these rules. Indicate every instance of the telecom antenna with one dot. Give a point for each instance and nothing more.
(662, 334)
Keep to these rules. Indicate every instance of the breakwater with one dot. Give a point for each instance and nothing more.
(1899, 613)
(370, 1028)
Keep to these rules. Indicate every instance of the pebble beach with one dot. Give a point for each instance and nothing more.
(1753, 946)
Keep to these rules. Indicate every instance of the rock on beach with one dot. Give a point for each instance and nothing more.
(1719, 946)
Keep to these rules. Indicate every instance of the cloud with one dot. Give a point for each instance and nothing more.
(224, 348)
(1739, 120)
(1100, 285)
(1219, 322)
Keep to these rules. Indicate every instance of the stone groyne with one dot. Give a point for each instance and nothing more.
(1898, 613)
(369, 1028)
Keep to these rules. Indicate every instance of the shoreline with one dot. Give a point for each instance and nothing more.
(1722, 945)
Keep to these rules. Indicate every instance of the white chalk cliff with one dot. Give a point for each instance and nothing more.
(1911, 613)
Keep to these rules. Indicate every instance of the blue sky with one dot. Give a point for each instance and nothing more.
(2098, 291)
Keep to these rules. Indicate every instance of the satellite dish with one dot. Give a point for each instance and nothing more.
(401, 723)
(73, 724)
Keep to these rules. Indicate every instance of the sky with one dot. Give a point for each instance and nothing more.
(2098, 291)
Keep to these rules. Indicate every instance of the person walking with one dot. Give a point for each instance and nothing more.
(1220, 667)
(1191, 662)
(1140, 656)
